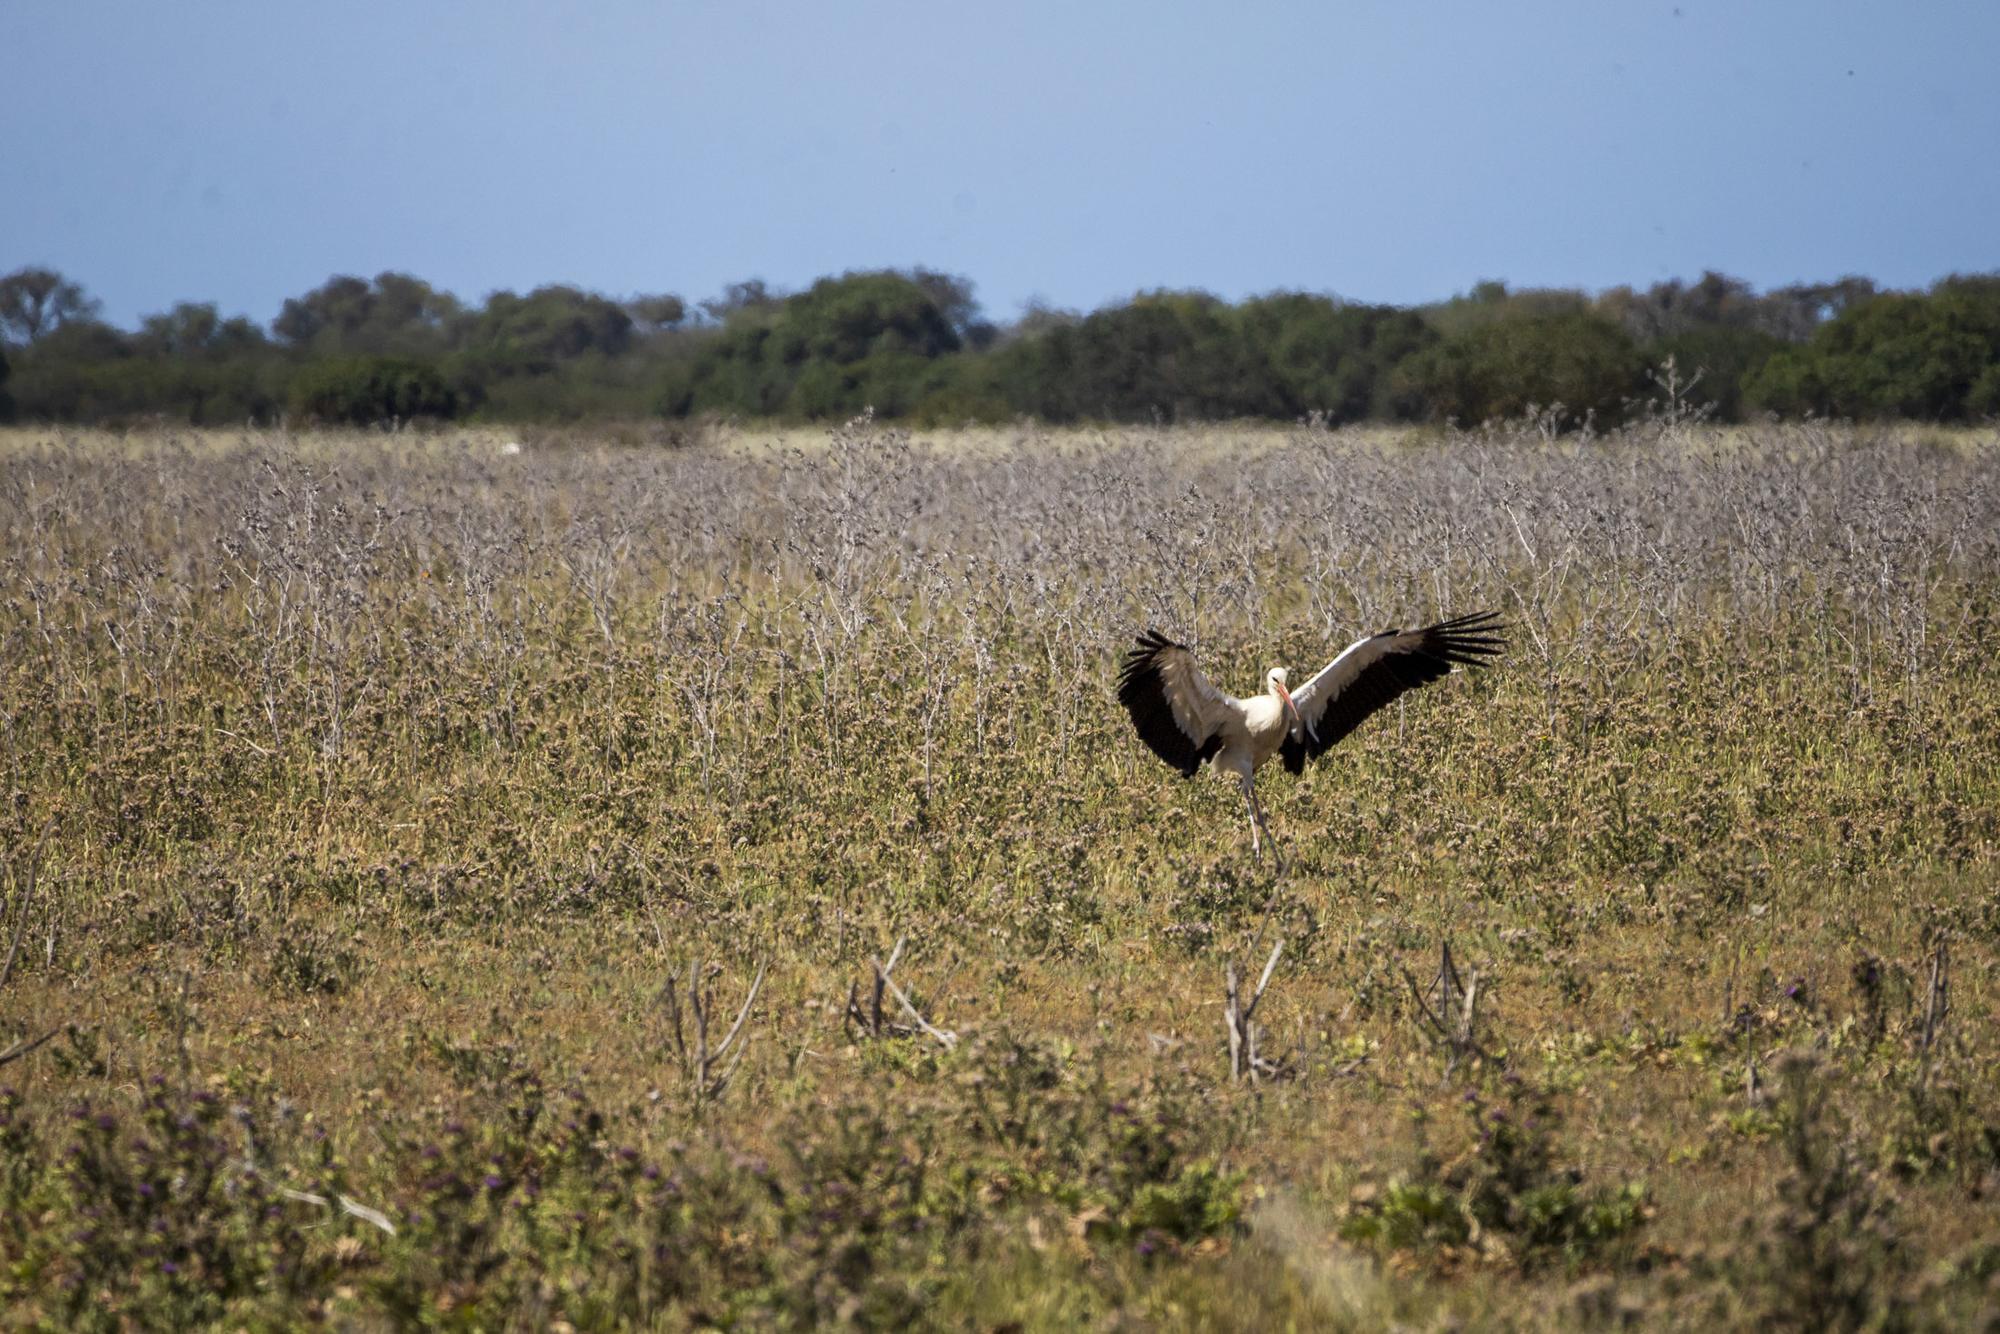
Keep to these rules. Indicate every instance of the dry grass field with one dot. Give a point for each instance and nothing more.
(394, 827)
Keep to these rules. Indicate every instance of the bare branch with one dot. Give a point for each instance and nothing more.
(707, 1069)
(1240, 1020)
(947, 1039)
(24, 1046)
(756, 985)
(351, 1207)
(24, 899)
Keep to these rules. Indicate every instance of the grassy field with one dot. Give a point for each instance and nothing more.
(393, 829)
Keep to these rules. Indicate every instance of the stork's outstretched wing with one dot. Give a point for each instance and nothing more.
(1373, 671)
(1178, 713)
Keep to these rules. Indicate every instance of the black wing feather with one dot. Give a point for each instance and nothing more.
(1463, 640)
(1144, 696)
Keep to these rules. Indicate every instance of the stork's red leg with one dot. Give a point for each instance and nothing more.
(1256, 821)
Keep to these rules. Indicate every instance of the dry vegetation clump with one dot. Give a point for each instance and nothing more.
(394, 832)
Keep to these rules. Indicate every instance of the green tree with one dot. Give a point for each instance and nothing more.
(1724, 356)
(867, 339)
(1793, 313)
(334, 312)
(1491, 302)
(1504, 367)
(954, 299)
(1982, 401)
(72, 373)
(848, 319)
(1919, 355)
(750, 294)
(1164, 355)
(395, 314)
(533, 334)
(187, 364)
(1326, 356)
(35, 302)
(1672, 308)
(365, 391)
(194, 329)
(656, 313)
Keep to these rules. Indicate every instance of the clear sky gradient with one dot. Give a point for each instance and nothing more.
(1075, 152)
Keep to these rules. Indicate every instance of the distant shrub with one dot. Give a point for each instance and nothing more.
(1723, 356)
(1173, 356)
(1328, 357)
(1928, 356)
(877, 339)
(959, 403)
(1983, 399)
(361, 391)
(1504, 368)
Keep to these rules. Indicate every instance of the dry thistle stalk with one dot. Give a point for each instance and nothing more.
(690, 1004)
(1449, 1010)
(24, 899)
(874, 1023)
(1937, 1006)
(1241, 1021)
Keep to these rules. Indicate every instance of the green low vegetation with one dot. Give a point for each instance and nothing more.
(395, 828)
(913, 346)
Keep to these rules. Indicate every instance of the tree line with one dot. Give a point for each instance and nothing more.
(914, 345)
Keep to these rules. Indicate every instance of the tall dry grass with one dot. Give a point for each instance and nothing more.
(387, 781)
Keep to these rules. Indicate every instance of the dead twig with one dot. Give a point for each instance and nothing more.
(1937, 1006)
(1454, 1021)
(871, 1022)
(944, 1039)
(26, 1045)
(708, 1069)
(874, 1023)
(350, 1207)
(1240, 1019)
(24, 900)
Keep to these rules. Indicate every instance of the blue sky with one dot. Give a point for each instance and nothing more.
(1075, 152)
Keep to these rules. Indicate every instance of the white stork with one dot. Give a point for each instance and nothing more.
(1187, 720)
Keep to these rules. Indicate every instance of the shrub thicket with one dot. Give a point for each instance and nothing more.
(1508, 368)
(1935, 357)
(848, 343)
(1723, 356)
(910, 344)
(360, 391)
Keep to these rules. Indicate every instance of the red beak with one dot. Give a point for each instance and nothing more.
(1286, 696)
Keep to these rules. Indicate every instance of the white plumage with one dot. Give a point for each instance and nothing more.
(1186, 720)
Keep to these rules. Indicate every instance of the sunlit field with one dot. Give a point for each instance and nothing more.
(394, 828)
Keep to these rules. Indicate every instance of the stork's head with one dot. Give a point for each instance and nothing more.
(1274, 682)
